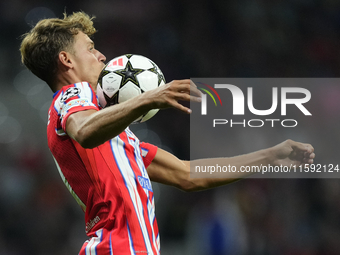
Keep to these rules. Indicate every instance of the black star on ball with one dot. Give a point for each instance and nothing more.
(129, 74)
(111, 100)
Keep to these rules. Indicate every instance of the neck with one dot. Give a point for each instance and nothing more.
(66, 79)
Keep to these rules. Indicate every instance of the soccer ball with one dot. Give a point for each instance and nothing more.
(127, 76)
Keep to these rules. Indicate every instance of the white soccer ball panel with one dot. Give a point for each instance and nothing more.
(129, 90)
(147, 80)
(111, 83)
(117, 63)
(140, 62)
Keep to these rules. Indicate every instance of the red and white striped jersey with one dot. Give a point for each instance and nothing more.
(109, 182)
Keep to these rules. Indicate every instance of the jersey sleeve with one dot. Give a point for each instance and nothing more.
(148, 153)
(74, 98)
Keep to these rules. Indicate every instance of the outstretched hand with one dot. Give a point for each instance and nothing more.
(290, 152)
(170, 94)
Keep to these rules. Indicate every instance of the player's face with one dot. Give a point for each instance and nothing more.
(88, 62)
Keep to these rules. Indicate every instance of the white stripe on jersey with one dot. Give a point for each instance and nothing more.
(117, 145)
(85, 90)
(111, 252)
(138, 157)
(82, 205)
(151, 212)
(92, 245)
(158, 243)
(140, 162)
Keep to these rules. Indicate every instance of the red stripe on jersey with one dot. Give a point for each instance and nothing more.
(151, 153)
(90, 164)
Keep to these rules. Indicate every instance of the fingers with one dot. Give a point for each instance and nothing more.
(301, 146)
(181, 96)
(185, 86)
(182, 90)
(183, 108)
(305, 150)
(309, 158)
(309, 155)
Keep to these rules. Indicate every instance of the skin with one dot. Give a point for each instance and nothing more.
(91, 128)
(84, 64)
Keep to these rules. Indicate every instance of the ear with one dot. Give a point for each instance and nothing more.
(65, 59)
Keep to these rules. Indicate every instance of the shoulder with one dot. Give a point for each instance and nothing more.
(79, 93)
(76, 90)
(73, 98)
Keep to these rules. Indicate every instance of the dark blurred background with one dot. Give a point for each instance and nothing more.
(254, 38)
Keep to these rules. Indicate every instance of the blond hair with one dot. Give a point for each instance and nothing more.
(41, 46)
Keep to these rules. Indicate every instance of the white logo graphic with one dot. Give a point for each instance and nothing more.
(238, 100)
(70, 92)
(239, 103)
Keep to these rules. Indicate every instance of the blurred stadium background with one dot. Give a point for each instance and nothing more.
(246, 38)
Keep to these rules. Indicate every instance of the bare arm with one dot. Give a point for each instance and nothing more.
(91, 128)
(168, 169)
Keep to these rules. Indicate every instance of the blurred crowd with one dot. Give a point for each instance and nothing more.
(186, 38)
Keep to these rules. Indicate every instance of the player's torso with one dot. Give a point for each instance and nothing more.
(110, 183)
(126, 170)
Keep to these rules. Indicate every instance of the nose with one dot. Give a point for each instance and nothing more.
(101, 56)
